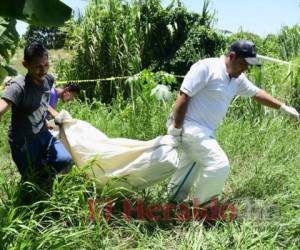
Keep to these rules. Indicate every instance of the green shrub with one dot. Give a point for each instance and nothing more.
(120, 38)
(202, 42)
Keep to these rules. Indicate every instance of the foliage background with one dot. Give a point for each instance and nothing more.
(115, 38)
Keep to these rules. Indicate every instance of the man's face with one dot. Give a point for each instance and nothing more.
(37, 68)
(238, 66)
(68, 96)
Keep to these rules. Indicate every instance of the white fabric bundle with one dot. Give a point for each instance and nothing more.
(125, 162)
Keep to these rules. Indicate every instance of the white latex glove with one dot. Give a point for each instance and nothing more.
(58, 120)
(174, 131)
(290, 110)
(62, 117)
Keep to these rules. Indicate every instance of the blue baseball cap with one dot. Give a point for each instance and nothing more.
(247, 50)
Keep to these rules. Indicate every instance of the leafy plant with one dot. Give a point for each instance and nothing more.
(50, 37)
(288, 40)
(8, 44)
(202, 42)
(48, 12)
(117, 38)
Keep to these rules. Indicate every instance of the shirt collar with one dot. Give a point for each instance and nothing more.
(223, 65)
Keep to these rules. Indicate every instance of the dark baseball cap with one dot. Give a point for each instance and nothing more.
(247, 50)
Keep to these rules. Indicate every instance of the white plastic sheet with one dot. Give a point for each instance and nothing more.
(122, 162)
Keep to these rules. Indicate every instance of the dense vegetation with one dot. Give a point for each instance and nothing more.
(30, 11)
(115, 38)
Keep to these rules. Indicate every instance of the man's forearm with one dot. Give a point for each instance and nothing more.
(52, 112)
(180, 109)
(266, 99)
(4, 106)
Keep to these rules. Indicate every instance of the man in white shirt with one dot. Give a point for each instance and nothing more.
(205, 96)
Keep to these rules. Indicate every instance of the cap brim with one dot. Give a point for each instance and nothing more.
(253, 61)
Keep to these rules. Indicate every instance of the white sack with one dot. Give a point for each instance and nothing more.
(127, 162)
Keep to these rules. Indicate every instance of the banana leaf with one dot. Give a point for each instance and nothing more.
(39, 12)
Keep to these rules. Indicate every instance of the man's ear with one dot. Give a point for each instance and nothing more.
(232, 55)
(25, 64)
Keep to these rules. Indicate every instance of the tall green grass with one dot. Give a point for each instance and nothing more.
(263, 148)
(262, 145)
(264, 160)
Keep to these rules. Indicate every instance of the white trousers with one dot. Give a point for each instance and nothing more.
(204, 166)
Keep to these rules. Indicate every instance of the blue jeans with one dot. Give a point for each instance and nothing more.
(41, 157)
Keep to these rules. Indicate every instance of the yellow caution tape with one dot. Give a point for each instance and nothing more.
(113, 78)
